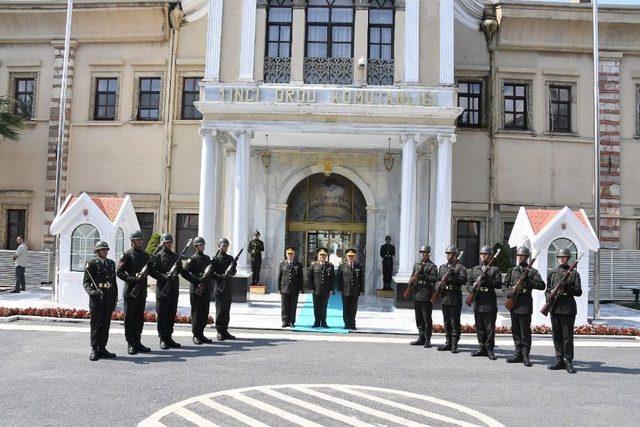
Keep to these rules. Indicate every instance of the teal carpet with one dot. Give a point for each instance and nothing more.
(305, 318)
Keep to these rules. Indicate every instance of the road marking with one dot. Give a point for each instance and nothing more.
(273, 410)
(233, 413)
(194, 418)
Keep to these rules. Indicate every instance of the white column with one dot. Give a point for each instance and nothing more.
(247, 41)
(412, 41)
(446, 42)
(408, 206)
(241, 196)
(208, 209)
(443, 195)
(422, 200)
(214, 40)
(371, 274)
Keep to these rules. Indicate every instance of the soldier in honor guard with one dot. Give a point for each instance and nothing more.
(321, 278)
(198, 291)
(426, 275)
(523, 308)
(387, 252)
(167, 290)
(100, 283)
(224, 267)
(131, 264)
(485, 310)
(255, 248)
(290, 285)
(452, 298)
(350, 279)
(563, 311)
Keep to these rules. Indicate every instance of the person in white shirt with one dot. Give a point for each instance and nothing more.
(20, 259)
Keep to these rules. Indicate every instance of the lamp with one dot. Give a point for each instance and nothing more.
(266, 155)
(389, 158)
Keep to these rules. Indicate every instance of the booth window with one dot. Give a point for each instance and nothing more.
(552, 261)
(119, 243)
(83, 239)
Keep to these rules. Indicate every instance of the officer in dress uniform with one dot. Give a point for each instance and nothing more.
(194, 272)
(485, 310)
(130, 265)
(426, 276)
(290, 286)
(100, 283)
(255, 248)
(387, 252)
(223, 289)
(523, 308)
(161, 268)
(321, 278)
(350, 279)
(563, 311)
(452, 298)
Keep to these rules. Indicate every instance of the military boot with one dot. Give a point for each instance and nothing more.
(558, 365)
(427, 342)
(106, 354)
(164, 345)
(454, 346)
(491, 355)
(174, 344)
(526, 360)
(132, 349)
(446, 346)
(419, 341)
(94, 355)
(482, 351)
(197, 341)
(517, 357)
(569, 366)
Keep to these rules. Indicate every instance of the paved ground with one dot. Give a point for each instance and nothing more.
(47, 379)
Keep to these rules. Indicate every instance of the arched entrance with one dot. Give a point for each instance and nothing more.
(326, 211)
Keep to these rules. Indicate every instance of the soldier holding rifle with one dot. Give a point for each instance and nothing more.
(423, 279)
(224, 267)
(199, 292)
(452, 276)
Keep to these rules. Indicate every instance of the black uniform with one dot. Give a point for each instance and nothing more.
(427, 277)
(167, 292)
(101, 308)
(351, 283)
(321, 283)
(256, 247)
(485, 309)
(193, 272)
(290, 285)
(131, 262)
(521, 312)
(223, 291)
(387, 252)
(564, 310)
(452, 299)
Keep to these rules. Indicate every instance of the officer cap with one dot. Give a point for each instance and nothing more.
(100, 245)
(523, 250)
(564, 252)
(451, 250)
(426, 249)
(223, 242)
(166, 238)
(351, 251)
(486, 249)
(323, 251)
(136, 235)
(198, 241)
(290, 249)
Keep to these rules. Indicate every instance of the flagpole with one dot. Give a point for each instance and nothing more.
(596, 155)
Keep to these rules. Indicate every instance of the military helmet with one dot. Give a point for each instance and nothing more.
(223, 242)
(387, 237)
(100, 245)
(166, 238)
(136, 235)
(426, 249)
(563, 252)
(256, 233)
(486, 249)
(198, 241)
(452, 249)
(523, 250)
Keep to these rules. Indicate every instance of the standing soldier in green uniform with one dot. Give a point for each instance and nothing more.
(563, 311)
(223, 289)
(485, 310)
(256, 247)
(350, 279)
(452, 298)
(194, 273)
(130, 265)
(321, 277)
(167, 290)
(523, 308)
(426, 274)
(100, 283)
(290, 286)
(387, 252)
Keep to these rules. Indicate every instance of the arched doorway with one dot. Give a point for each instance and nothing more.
(326, 211)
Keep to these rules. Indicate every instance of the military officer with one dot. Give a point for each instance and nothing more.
(452, 298)
(387, 252)
(563, 311)
(255, 248)
(161, 268)
(129, 268)
(194, 272)
(100, 283)
(321, 278)
(426, 275)
(290, 286)
(523, 308)
(350, 279)
(223, 288)
(485, 310)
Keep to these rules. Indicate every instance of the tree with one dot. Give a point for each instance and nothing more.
(504, 260)
(10, 123)
(154, 241)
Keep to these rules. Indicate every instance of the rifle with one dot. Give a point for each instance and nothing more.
(413, 279)
(231, 266)
(479, 280)
(205, 275)
(512, 297)
(438, 292)
(174, 270)
(142, 274)
(559, 287)
(98, 290)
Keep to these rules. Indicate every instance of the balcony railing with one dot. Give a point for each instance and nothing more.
(380, 72)
(332, 71)
(277, 70)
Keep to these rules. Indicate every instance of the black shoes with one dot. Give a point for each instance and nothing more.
(206, 340)
(419, 341)
(220, 337)
(164, 345)
(316, 325)
(445, 347)
(558, 366)
(491, 355)
(14, 292)
(454, 348)
(94, 355)
(481, 352)
(106, 354)
(228, 336)
(173, 344)
(143, 349)
(569, 367)
(196, 340)
(517, 358)
(527, 361)
(132, 349)
(427, 342)
(324, 325)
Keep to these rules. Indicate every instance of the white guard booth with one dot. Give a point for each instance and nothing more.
(544, 232)
(83, 221)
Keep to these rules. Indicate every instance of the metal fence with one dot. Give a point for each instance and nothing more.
(39, 268)
(617, 268)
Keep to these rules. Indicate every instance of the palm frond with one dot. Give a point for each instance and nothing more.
(10, 123)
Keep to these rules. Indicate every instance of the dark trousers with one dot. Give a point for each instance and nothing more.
(451, 315)
(223, 310)
(486, 329)
(256, 263)
(349, 310)
(288, 307)
(320, 303)
(20, 282)
(199, 313)
(387, 272)
(424, 323)
(562, 328)
(134, 318)
(100, 324)
(521, 332)
(166, 309)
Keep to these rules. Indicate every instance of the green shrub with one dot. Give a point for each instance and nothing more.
(154, 241)
(504, 260)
